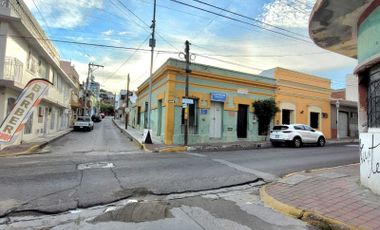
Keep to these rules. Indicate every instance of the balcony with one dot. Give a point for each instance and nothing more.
(13, 69)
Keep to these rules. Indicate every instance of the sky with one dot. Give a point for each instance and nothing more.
(268, 34)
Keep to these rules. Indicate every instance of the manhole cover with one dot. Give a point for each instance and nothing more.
(95, 165)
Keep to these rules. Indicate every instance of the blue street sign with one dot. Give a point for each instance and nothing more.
(217, 96)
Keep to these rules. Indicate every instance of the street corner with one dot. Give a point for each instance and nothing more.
(17, 150)
(278, 205)
(158, 148)
(325, 198)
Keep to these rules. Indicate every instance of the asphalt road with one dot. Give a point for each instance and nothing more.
(84, 169)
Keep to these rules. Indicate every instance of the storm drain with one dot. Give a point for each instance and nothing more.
(95, 165)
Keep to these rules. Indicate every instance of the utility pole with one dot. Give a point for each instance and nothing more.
(152, 44)
(91, 68)
(114, 106)
(127, 105)
(188, 70)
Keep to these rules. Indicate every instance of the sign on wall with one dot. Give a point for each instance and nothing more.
(369, 147)
(29, 99)
(218, 96)
(242, 91)
(187, 101)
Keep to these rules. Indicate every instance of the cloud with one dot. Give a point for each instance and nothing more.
(65, 14)
(287, 13)
(107, 33)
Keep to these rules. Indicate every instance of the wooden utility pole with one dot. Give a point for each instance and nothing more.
(127, 105)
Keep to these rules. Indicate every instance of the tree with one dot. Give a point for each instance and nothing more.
(265, 111)
(106, 108)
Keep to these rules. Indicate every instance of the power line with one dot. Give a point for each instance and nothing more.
(127, 60)
(130, 11)
(241, 21)
(92, 44)
(250, 18)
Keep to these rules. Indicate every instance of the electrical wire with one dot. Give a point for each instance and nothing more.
(250, 18)
(241, 21)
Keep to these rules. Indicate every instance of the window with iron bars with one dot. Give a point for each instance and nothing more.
(373, 109)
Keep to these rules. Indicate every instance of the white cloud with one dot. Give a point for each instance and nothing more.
(65, 14)
(107, 33)
(287, 13)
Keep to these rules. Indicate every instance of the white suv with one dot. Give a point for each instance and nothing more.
(296, 134)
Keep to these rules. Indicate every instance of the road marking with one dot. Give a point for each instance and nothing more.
(196, 154)
(265, 176)
(95, 165)
(352, 145)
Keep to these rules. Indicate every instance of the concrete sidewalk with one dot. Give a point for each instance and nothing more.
(137, 135)
(33, 145)
(327, 198)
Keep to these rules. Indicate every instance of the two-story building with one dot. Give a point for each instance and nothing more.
(27, 53)
(351, 28)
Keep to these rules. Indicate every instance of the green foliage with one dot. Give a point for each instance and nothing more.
(106, 108)
(265, 111)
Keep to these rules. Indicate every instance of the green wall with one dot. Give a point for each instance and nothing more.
(369, 37)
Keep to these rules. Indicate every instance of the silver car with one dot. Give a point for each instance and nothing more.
(297, 135)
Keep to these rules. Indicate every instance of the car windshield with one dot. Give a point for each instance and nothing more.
(83, 119)
(282, 127)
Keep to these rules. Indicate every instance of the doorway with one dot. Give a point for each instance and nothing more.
(242, 121)
(314, 120)
(287, 117)
(343, 124)
(146, 115)
(216, 111)
(159, 122)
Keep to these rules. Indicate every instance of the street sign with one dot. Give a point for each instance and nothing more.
(242, 91)
(184, 106)
(187, 101)
(218, 96)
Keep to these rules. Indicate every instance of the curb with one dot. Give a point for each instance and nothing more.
(311, 217)
(173, 149)
(34, 148)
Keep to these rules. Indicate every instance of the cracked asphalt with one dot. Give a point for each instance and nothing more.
(85, 169)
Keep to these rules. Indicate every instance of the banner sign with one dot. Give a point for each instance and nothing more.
(29, 99)
(217, 96)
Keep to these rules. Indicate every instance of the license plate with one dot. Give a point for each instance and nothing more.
(276, 136)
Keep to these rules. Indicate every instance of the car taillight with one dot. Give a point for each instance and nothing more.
(287, 131)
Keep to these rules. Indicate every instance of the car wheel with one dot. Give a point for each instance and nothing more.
(297, 142)
(321, 141)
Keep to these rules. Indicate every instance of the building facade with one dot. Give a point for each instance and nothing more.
(220, 106)
(352, 29)
(23, 58)
(302, 99)
(75, 103)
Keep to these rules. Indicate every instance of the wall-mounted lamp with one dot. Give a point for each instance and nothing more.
(301, 111)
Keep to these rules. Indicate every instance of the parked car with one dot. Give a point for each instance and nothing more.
(297, 135)
(96, 118)
(84, 123)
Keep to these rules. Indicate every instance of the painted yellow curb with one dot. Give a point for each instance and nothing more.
(311, 217)
(279, 206)
(30, 150)
(173, 149)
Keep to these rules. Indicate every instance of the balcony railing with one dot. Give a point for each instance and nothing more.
(13, 69)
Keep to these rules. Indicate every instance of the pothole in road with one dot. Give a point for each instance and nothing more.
(95, 165)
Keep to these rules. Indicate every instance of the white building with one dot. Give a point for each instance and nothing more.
(26, 53)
